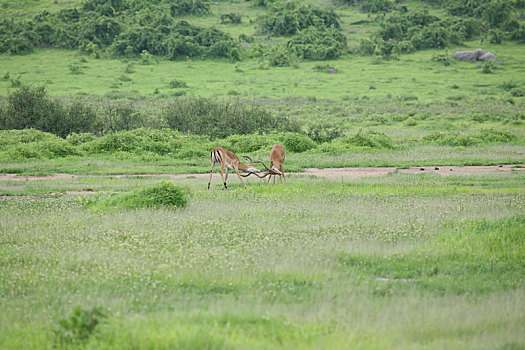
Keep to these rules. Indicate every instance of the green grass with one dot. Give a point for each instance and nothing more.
(412, 75)
(401, 261)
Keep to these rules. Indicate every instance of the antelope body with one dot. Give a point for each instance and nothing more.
(277, 156)
(230, 161)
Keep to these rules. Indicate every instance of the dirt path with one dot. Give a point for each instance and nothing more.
(330, 173)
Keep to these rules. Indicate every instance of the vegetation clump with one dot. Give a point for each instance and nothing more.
(164, 194)
(291, 17)
(121, 28)
(205, 116)
(80, 325)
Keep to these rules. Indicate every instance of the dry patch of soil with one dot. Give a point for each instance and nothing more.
(330, 173)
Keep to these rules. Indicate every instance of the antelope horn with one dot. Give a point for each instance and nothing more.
(249, 160)
(260, 161)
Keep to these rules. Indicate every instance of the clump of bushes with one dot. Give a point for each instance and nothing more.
(469, 139)
(80, 325)
(163, 194)
(370, 5)
(121, 28)
(318, 44)
(362, 140)
(34, 144)
(218, 119)
(291, 17)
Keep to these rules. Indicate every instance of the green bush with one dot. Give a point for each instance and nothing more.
(250, 143)
(297, 143)
(318, 44)
(292, 17)
(79, 326)
(118, 117)
(218, 119)
(469, 139)
(34, 144)
(163, 194)
(280, 56)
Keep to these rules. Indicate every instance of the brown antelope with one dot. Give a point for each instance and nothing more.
(277, 155)
(230, 161)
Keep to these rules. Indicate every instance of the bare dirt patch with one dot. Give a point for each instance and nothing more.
(330, 173)
(334, 173)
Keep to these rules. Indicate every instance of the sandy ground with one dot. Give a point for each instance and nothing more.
(330, 173)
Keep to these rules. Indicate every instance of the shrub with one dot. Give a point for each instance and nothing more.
(34, 144)
(517, 92)
(204, 116)
(233, 18)
(318, 44)
(250, 143)
(323, 132)
(80, 325)
(298, 143)
(289, 18)
(280, 56)
(163, 194)
(119, 116)
(458, 139)
(30, 107)
(176, 84)
(371, 139)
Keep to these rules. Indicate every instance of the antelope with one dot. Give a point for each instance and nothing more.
(230, 161)
(277, 155)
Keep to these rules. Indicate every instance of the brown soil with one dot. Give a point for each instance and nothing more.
(330, 173)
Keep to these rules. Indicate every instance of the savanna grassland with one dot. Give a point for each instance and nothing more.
(110, 91)
(402, 261)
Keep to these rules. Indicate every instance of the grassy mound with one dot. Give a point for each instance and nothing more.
(163, 194)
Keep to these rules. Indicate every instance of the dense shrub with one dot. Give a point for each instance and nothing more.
(204, 116)
(163, 194)
(122, 28)
(470, 139)
(298, 143)
(289, 18)
(323, 132)
(250, 143)
(117, 117)
(30, 107)
(370, 5)
(280, 56)
(33, 144)
(405, 31)
(318, 44)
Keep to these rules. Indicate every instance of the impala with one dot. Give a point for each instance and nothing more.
(277, 155)
(230, 161)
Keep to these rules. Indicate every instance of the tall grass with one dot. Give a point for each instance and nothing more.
(400, 261)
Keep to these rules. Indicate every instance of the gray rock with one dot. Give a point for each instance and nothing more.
(331, 71)
(487, 56)
(468, 56)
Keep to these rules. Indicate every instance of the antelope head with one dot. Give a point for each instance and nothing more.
(251, 169)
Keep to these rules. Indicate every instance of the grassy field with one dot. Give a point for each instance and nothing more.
(401, 261)
(66, 73)
(397, 262)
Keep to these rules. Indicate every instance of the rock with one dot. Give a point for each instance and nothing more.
(468, 56)
(331, 71)
(436, 168)
(499, 63)
(487, 56)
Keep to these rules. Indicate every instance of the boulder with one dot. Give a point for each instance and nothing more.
(331, 71)
(468, 56)
(487, 56)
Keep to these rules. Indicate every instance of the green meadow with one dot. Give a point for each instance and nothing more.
(396, 262)
(120, 95)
